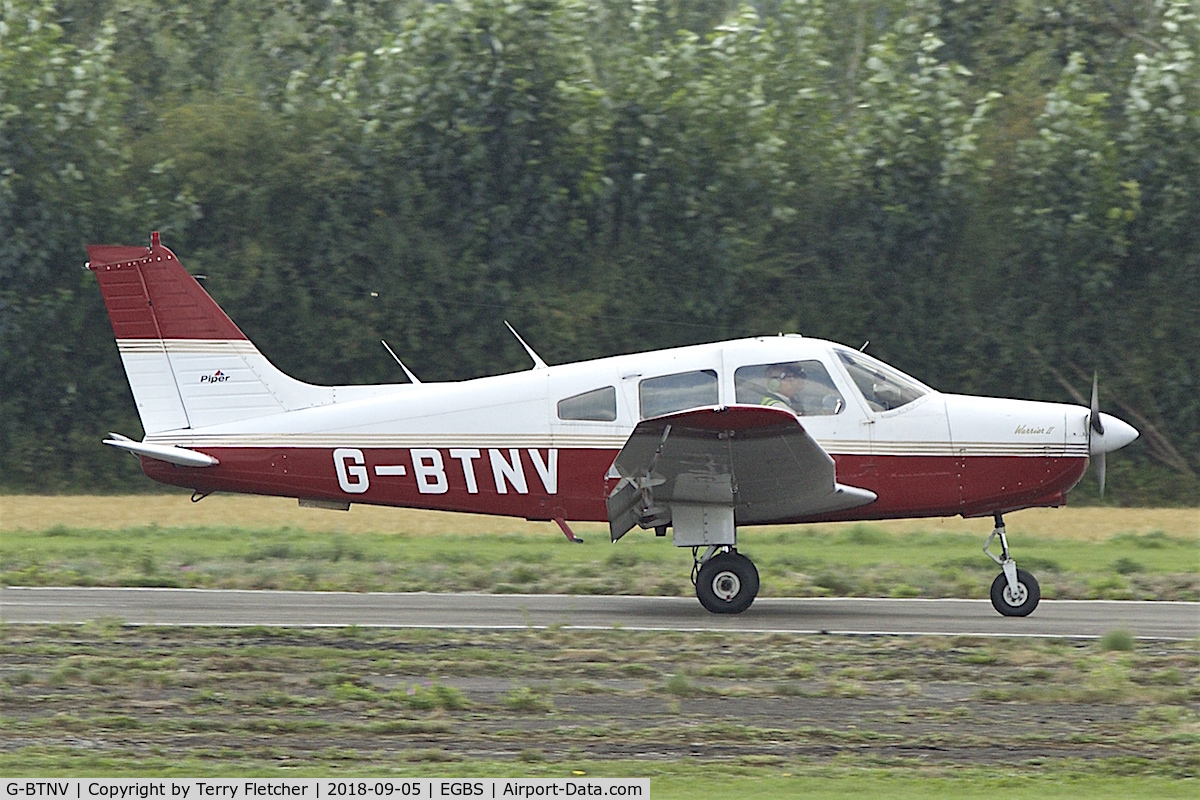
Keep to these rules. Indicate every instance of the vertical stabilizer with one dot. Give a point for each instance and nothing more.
(188, 364)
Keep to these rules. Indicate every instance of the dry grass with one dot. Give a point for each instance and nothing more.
(38, 512)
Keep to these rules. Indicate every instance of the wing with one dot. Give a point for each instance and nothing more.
(756, 460)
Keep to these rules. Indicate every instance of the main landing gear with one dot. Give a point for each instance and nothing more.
(1015, 592)
(726, 581)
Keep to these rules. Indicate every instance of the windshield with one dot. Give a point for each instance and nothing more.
(883, 387)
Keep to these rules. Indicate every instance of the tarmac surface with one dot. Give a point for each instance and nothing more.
(864, 616)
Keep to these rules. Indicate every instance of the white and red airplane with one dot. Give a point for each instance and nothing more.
(698, 439)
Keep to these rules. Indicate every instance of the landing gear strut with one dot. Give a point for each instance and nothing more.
(1015, 592)
(726, 581)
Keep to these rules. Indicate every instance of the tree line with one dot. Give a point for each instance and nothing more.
(1001, 198)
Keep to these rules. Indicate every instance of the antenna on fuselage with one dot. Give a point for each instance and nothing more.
(863, 349)
(537, 360)
(407, 371)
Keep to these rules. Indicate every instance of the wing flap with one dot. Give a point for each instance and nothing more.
(757, 460)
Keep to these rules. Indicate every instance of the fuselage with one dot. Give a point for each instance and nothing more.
(540, 444)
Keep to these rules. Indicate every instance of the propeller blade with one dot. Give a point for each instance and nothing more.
(1096, 428)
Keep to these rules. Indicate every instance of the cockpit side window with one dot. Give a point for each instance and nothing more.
(598, 405)
(882, 387)
(800, 386)
(683, 390)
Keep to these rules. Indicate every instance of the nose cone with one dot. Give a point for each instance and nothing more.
(1117, 434)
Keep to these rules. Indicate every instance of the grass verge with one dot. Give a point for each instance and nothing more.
(866, 560)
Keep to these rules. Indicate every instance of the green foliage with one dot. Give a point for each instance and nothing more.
(679, 685)
(1001, 198)
(432, 697)
(1119, 639)
(528, 700)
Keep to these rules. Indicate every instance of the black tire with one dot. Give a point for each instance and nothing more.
(1002, 599)
(727, 583)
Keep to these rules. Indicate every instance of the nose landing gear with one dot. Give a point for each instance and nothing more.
(1015, 592)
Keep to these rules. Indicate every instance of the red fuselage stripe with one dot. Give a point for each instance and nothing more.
(540, 483)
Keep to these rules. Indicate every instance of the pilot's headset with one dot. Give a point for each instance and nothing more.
(775, 381)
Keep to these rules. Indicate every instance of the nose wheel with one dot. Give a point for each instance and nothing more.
(1015, 592)
(1020, 603)
(727, 583)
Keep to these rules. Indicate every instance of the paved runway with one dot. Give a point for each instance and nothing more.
(1063, 618)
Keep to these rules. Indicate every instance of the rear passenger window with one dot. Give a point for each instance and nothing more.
(683, 390)
(598, 405)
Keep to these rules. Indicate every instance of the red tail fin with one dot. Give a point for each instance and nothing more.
(149, 295)
(188, 365)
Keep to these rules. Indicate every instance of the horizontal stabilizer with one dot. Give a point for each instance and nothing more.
(161, 452)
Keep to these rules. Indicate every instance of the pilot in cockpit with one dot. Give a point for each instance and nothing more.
(789, 386)
(785, 382)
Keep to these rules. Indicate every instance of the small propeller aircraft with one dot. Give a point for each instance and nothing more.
(698, 440)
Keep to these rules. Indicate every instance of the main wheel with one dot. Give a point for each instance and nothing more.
(1028, 595)
(727, 583)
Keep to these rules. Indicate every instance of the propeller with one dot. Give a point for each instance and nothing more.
(1105, 433)
(1096, 428)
